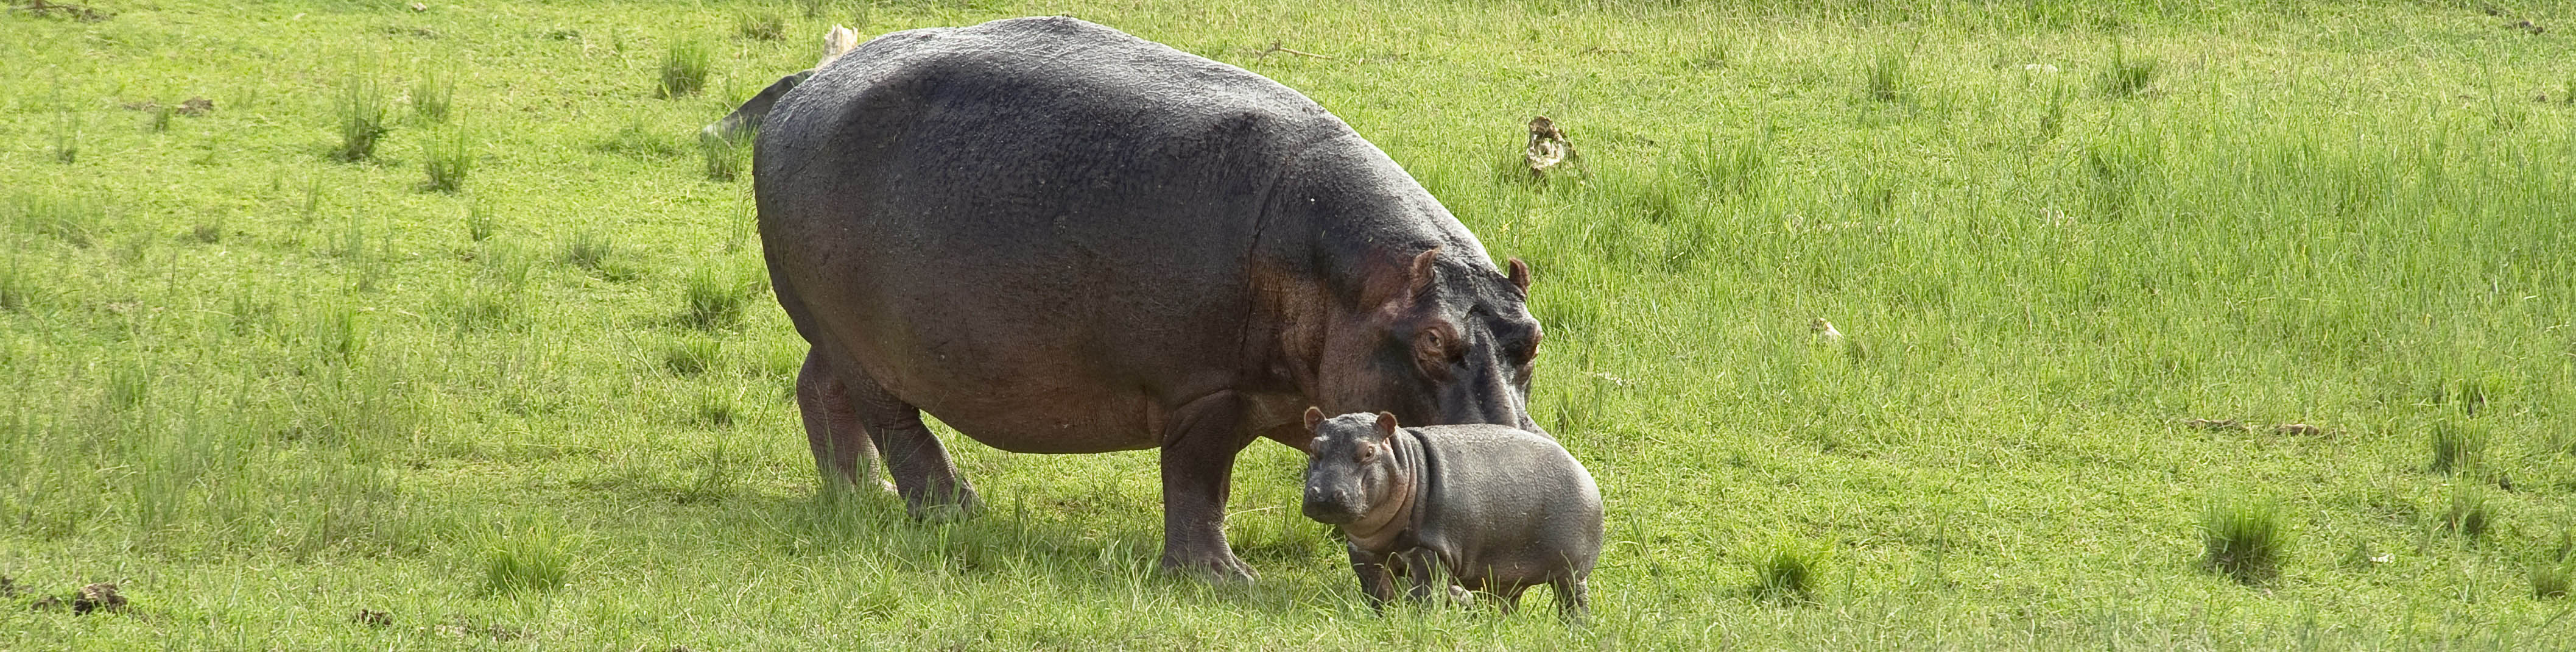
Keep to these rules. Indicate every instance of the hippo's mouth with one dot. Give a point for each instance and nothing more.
(1330, 514)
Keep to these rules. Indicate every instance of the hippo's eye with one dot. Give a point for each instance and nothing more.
(1368, 453)
(1434, 348)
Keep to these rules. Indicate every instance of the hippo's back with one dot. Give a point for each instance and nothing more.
(1512, 504)
(1036, 229)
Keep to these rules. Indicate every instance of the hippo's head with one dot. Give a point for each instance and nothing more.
(1352, 471)
(1441, 342)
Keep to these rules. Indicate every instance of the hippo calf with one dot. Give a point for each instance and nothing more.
(1480, 507)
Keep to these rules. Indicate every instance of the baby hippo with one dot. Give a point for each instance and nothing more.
(1483, 508)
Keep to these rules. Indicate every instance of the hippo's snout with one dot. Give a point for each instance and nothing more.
(1330, 507)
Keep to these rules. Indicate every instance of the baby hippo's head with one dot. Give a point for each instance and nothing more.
(1353, 465)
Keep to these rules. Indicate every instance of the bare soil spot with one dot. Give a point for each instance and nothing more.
(98, 597)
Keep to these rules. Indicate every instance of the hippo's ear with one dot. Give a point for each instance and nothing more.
(1385, 423)
(1423, 272)
(1314, 415)
(1520, 275)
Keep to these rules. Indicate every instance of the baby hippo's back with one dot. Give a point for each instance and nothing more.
(1510, 507)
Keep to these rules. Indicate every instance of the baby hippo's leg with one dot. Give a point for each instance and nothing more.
(1508, 598)
(1374, 580)
(1571, 600)
(1423, 567)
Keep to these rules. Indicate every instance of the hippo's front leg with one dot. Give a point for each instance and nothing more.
(1374, 579)
(1199, 446)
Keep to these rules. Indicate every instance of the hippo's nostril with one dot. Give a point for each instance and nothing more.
(1326, 506)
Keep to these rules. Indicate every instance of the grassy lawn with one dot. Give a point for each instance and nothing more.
(2164, 325)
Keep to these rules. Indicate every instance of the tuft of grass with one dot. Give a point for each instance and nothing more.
(75, 220)
(589, 250)
(312, 206)
(128, 385)
(362, 119)
(595, 251)
(207, 232)
(2126, 76)
(161, 118)
(433, 95)
(66, 136)
(1887, 74)
(479, 307)
(1732, 170)
(1787, 573)
(691, 356)
(761, 24)
(2244, 541)
(2551, 579)
(723, 157)
(450, 158)
(478, 225)
(2457, 446)
(2053, 120)
(638, 138)
(17, 291)
(2468, 515)
(717, 410)
(527, 557)
(713, 299)
(684, 69)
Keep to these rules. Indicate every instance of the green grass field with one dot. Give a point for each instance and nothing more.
(443, 313)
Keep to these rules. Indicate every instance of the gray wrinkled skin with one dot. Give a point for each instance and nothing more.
(1058, 238)
(1490, 508)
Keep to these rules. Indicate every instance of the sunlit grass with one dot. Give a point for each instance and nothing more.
(555, 408)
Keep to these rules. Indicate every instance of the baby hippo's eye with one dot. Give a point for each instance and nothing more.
(1368, 454)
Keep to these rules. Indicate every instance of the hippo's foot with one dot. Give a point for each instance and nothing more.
(944, 507)
(1460, 596)
(1221, 567)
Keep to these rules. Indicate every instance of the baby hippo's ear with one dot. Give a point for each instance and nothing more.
(1385, 423)
(1314, 415)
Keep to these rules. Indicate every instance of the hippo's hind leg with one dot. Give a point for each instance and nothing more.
(923, 474)
(1199, 445)
(842, 450)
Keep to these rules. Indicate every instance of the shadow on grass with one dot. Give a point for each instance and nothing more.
(1011, 541)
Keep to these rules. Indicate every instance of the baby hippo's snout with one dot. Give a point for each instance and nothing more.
(1331, 506)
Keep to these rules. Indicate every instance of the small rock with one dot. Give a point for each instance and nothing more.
(2382, 559)
(419, 7)
(95, 597)
(372, 618)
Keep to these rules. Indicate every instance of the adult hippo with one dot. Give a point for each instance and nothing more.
(1058, 238)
